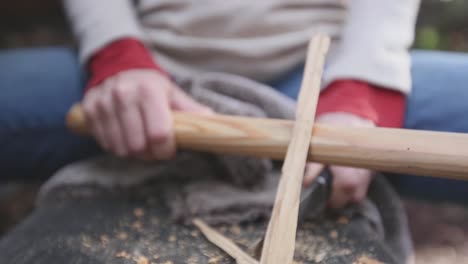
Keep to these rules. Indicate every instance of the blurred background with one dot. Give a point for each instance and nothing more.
(442, 24)
(440, 231)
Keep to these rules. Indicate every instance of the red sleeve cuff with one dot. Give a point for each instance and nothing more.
(120, 55)
(386, 108)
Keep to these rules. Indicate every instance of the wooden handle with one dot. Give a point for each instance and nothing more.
(425, 153)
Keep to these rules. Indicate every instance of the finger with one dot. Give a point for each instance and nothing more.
(130, 120)
(312, 170)
(182, 102)
(95, 121)
(112, 132)
(349, 185)
(157, 120)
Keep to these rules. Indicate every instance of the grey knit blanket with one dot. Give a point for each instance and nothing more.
(226, 188)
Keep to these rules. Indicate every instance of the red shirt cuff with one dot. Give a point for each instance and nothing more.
(386, 108)
(120, 55)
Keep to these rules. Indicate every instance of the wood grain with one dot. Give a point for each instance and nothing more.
(224, 243)
(280, 237)
(416, 152)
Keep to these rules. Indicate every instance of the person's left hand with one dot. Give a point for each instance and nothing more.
(349, 184)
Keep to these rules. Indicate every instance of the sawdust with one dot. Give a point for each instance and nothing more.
(164, 242)
(139, 212)
(104, 239)
(122, 254)
(343, 220)
(141, 260)
(367, 260)
(214, 260)
(193, 260)
(86, 241)
(195, 233)
(137, 226)
(320, 256)
(172, 238)
(122, 235)
(235, 229)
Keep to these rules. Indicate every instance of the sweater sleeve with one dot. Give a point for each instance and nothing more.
(374, 44)
(99, 23)
(384, 107)
(120, 55)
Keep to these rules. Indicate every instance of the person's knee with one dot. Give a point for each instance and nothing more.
(437, 61)
(39, 66)
(40, 76)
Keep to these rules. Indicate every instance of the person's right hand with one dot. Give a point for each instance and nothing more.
(130, 113)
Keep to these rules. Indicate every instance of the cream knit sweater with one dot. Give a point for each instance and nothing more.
(259, 39)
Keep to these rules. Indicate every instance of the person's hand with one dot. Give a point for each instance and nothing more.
(130, 113)
(349, 184)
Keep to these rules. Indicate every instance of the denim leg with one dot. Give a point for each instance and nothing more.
(37, 87)
(439, 102)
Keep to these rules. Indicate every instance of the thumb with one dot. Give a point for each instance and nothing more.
(182, 102)
(312, 170)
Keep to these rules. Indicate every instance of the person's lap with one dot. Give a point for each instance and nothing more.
(38, 86)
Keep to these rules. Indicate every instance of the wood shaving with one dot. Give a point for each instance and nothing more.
(122, 254)
(137, 226)
(139, 212)
(172, 238)
(194, 233)
(367, 260)
(235, 229)
(214, 260)
(86, 242)
(104, 239)
(320, 256)
(343, 220)
(192, 260)
(122, 236)
(141, 260)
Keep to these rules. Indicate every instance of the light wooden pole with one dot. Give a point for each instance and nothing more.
(416, 152)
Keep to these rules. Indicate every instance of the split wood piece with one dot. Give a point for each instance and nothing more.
(224, 243)
(280, 238)
(416, 152)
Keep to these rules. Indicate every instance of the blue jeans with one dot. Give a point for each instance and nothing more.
(38, 86)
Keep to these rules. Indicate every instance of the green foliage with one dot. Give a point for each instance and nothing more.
(443, 25)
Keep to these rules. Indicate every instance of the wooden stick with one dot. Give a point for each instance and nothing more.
(224, 243)
(280, 238)
(424, 153)
(414, 152)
